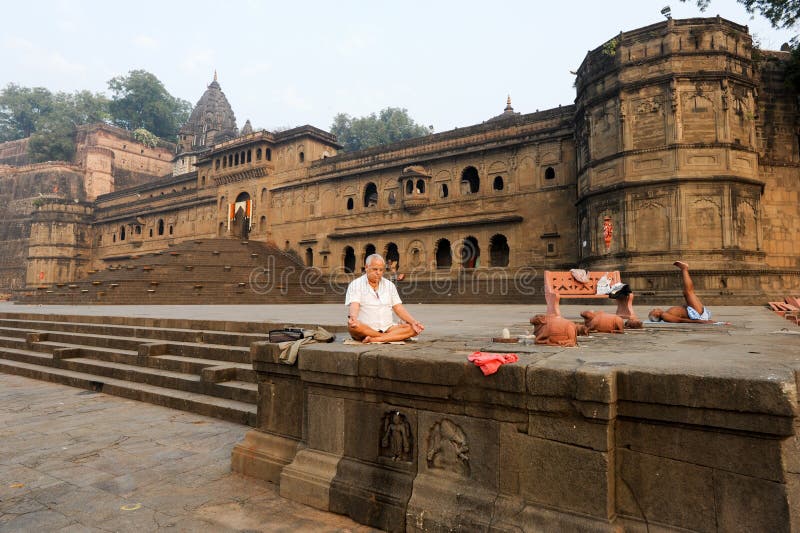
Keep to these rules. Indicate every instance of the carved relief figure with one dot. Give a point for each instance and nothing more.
(396, 439)
(447, 448)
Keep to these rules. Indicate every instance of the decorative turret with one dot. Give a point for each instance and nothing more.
(212, 121)
(508, 112)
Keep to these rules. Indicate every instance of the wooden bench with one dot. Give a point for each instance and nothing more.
(564, 284)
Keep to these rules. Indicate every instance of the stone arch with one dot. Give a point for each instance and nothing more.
(369, 249)
(370, 195)
(349, 259)
(443, 254)
(470, 253)
(470, 181)
(498, 251)
(391, 253)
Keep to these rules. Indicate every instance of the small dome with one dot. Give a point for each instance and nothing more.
(248, 128)
(212, 120)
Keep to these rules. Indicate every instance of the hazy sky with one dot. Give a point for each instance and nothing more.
(450, 63)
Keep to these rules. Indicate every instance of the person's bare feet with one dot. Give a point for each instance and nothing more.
(366, 340)
(681, 265)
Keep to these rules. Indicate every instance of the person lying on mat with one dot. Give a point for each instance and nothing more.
(694, 311)
(370, 301)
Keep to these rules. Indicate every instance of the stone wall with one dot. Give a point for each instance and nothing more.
(420, 440)
(14, 152)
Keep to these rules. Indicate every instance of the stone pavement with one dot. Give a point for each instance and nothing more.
(79, 461)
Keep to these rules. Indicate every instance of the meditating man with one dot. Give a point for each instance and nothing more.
(694, 310)
(370, 301)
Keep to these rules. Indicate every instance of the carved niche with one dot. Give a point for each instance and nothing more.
(447, 448)
(397, 442)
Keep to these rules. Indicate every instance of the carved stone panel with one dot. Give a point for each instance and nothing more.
(447, 448)
(648, 125)
(746, 224)
(703, 225)
(396, 441)
(651, 225)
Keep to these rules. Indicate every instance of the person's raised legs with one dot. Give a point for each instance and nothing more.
(688, 288)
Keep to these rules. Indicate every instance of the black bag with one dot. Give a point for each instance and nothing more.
(285, 335)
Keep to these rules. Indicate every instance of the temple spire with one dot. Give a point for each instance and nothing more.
(508, 108)
(215, 79)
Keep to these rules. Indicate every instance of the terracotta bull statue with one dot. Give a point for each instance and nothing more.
(554, 330)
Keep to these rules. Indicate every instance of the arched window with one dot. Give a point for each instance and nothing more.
(170, 229)
(236, 159)
(498, 251)
(498, 184)
(549, 173)
(443, 191)
(249, 156)
(444, 255)
(264, 195)
(138, 230)
(216, 164)
(369, 249)
(309, 257)
(421, 186)
(114, 238)
(392, 198)
(470, 253)
(470, 181)
(258, 154)
(392, 254)
(151, 232)
(349, 204)
(161, 226)
(269, 154)
(202, 181)
(410, 187)
(222, 205)
(370, 195)
(224, 162)
(302, 156)
(221, 229)
(122, 233)
(349, 259)
(262, 224)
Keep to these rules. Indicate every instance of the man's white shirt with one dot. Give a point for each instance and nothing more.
(375, 305)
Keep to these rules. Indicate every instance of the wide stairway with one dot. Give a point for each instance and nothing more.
(198, 366)
(205, 271)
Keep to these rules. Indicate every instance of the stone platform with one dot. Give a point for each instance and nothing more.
(671, 428)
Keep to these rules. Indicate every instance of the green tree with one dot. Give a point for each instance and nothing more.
(780, 13)
(389, 125)
(54, 138)
(22, 109)
(140, 100)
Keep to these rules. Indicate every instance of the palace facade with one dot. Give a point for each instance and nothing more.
(683, 141)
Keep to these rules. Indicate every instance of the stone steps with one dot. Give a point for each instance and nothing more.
(190, 368)
(230, 410)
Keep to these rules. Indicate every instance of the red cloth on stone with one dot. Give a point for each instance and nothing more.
(490, 362)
